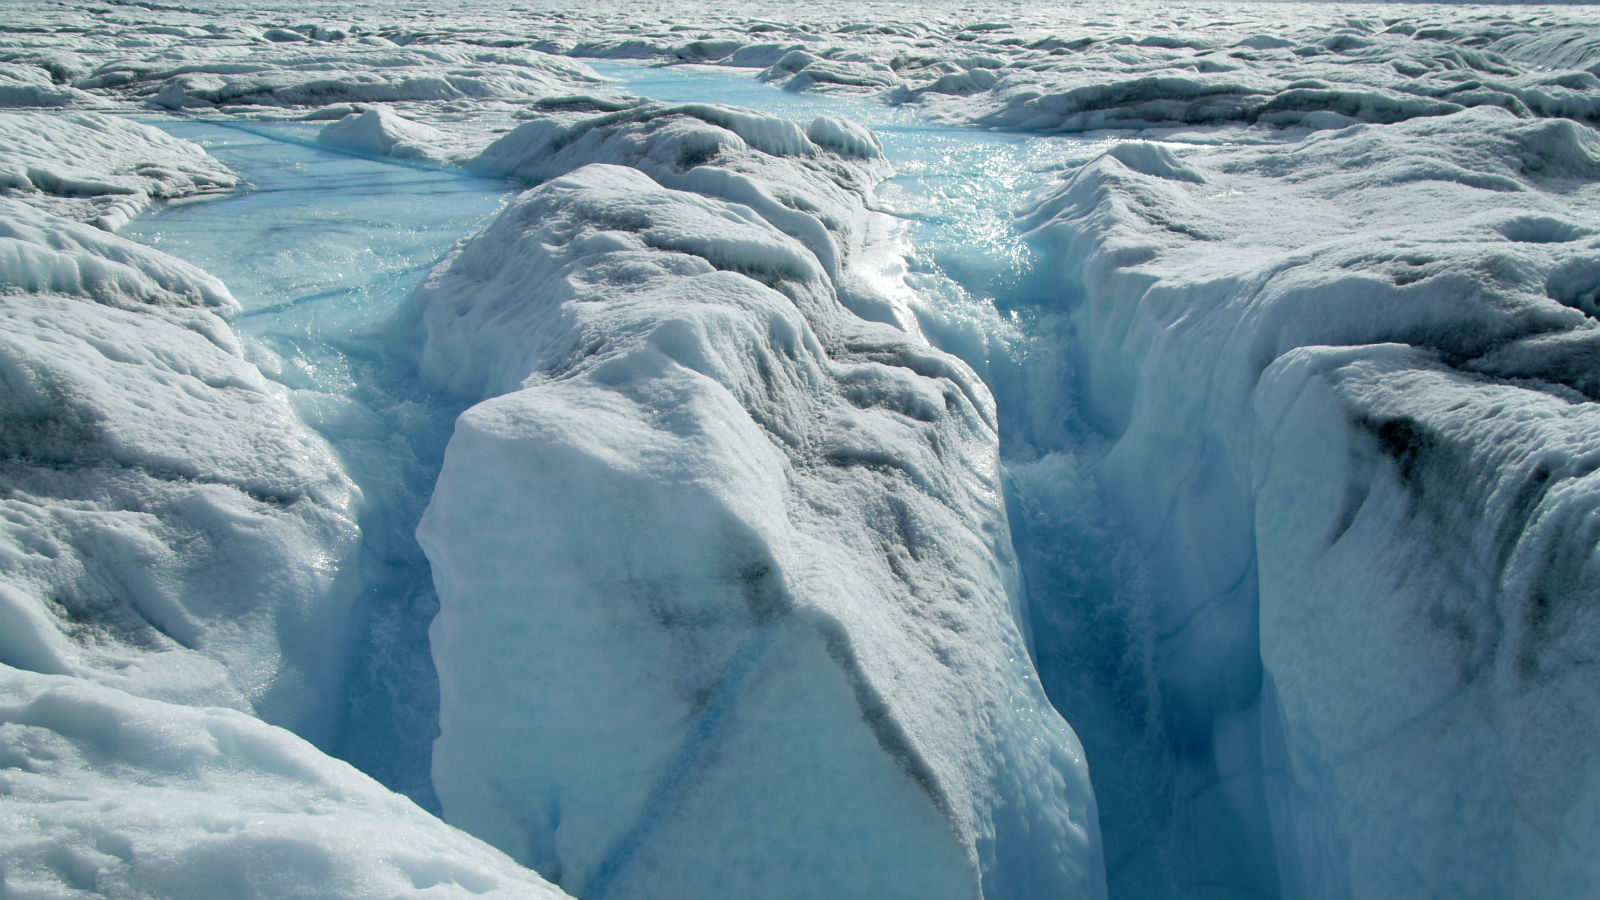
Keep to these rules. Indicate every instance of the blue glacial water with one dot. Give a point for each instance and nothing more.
(324, 249)
(317, 243)
(957, 188)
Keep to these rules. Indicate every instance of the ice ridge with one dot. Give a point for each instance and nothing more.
(660, 336)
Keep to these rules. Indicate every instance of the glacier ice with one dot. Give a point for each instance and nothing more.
(786, 547)
(176, 549)
(173, 543)
(668, 355)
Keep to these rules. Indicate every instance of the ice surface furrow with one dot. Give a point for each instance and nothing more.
(697, 751)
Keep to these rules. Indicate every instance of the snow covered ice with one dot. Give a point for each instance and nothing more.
(682, 450)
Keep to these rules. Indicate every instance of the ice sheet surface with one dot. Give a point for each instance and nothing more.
(1264, 436)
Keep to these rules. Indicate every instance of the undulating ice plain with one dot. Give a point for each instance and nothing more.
(836, 450)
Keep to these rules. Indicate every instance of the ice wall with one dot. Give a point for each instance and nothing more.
(1348, 440)
(727, 604)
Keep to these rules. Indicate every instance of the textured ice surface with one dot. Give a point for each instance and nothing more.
(1279, 468)
(106, 794)
(759, 540)
(147, 461)
(98, 169)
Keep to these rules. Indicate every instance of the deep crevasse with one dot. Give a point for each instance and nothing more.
(322, 379)
(1175, 637)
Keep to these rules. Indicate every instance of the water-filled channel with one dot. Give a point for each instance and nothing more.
(324, 250)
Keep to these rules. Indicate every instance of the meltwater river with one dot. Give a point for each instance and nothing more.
(324, 250)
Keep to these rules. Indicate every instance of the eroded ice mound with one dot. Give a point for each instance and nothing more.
(757, 541)
(379, 131)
